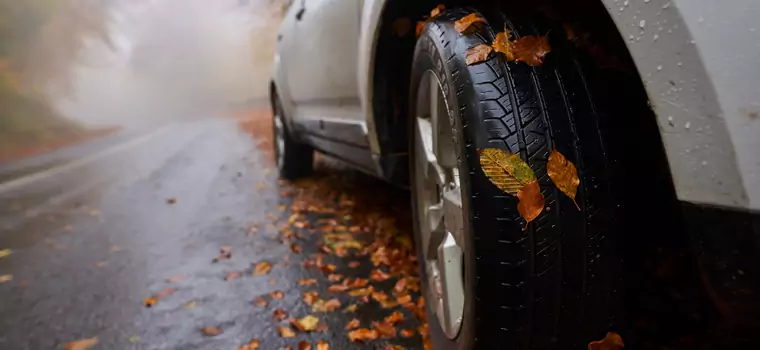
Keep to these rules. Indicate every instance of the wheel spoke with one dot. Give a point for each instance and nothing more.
(430, 168)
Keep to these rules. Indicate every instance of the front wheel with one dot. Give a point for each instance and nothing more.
(294, 159)
(490, 279)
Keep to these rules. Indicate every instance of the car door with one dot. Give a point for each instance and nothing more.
(321, 66)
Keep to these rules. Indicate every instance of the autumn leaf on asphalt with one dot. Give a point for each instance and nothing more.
(280, 314)
(465, 22)
(307, 281)
(306, 324)
(384, 329)
(260, 302)
(394, 318)
(378, 275)
(211, 331)
(531, 49)
(286, 332)
(564, 174)
(611, 341)
(362, 334)
(334, 277)
(232, 275)
(165, 292)
(361, 292)
(401, 27)
(4, 253)
(262, 268)
(322, 345)
(310, 297)
(478, 54)
(304, 345)
(354, 264)
(400, 285)
(175, 279)
(277, 294)
(82, 344)
(399, 347)
(510, 174)
(295, 248)
(351, 308)
(326, 306)
(404, 299)
(252, 345)
(353, 324)
(150, 301)
(502, 44)
(406, 333)
(171, 200)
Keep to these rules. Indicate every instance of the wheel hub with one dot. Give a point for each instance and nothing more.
(279, 137)
(439, 204)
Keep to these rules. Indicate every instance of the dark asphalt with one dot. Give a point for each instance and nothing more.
(89, 243)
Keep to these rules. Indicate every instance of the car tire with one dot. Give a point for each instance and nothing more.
(294, 159)
(555, 283)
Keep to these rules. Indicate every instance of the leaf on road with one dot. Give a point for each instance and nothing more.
(478, 54)
(150, 301)
(232, 275)
(310, 297)
(307, 281)
(4, 253)
(260, 302)
(280, 314)
(463, 24)
(378, 275)
(400, 286)
(354, 264)
(277, 294)
(82, 344)
(353, 324)
(407, 333)
(502, 44)
(166, 292)
(362, 334)
(262, 268)
(175, 279)
(171, 200)
(286, 332)
(394, 318)
(304, 345)
(351, 308)
(611, 341)
(306, 324)
(531, 49)
(211, 331)
(564, 175)
(334, 277)
(322, 345)
(252, 345)
(384, 329)
(510, 174)
(295, 248)
(531, 201)
(326, 306)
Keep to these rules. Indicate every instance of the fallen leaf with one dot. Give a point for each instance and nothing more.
(286, 332)
(437, 10)
(133, 339)
(502, 44)
(82, 344)
(192, 304)
(378, 275)
(464, 23)
(531, 49)
(4, 253)
(362, 334)
(404, 299)
(252, 345)
(304, 345)
(401, 27)
(407, 333)
(384, 329)
(307, 281)
(310, 297)
(351, 308)
(171, 200)
(611, 341)
(322, 345)
(260, 302)
(150, 301)
(232, 275)
(278, 294)
(353, 324)
(361, 292)
(165, 292)
(306, 324)
(354, 264)
(564, 174)
(175, 279)
(211, 331)
(394, 318)
(262, 268)
(477, 54)
(295, 248)
(420, 26)
(399, 347)
(280, 314)
(326, 306)
(531, 201)
(400, 286)
(101, 263)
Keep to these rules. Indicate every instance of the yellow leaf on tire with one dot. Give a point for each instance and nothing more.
(564, 175)
(477, 54)
(502, 44)
(512, 175)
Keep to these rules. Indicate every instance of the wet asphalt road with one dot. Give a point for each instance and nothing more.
(91, 240)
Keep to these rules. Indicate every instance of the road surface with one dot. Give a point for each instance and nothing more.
(103, 228)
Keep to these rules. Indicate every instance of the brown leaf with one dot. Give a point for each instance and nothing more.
(252, 345)
(307, 281)
(286, 332)
(400, 286)
(531, 201)
(304, 345)
(295, 248)
(478, 54)
(150, 301)
(354, 264)
(171, 200)
(6, 278)
(322, 345)
(394, 318)
(262, 268)
(280, 314)
(362, 334)
(310, 297)
(502, 44)
(464, 23)
(82, 344)
(277, 294)
(231, 275)
(611, 341)
(351, 308)
(306, 324)
(211, 331)
(564, 174)
(531, 49)
(384, 329)
(353, 324)
(361, 292)
(260, 302)
(401, 27)
(378, 275)
(407, 333)
(437, 10)
(334, 277)
(404, 299)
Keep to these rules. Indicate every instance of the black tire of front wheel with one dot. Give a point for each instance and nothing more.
(553, 285)
(298, 158)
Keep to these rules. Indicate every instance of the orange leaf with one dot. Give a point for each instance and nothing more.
(260, 301)
(465, 22)
(304, 345)
(262, 268)
(564, 175)
(307, 281)
(280, 314)
(407, 333)
(306, 324)
(286, 332)
(252, 345)
(322, 345)
(531, 201)
(611, 341)
(149, 302)
(295, 248)
(420, 27)
(278, 294)
(378, 275)
(231, 275)
(165, 292)
(362, 334)
(310, 297)
(478, 54)
(82, 344)
(211, 331)
(334, 277)
(437, 10)
(502, 44)
(354, 264)
(394, 318)
(400, 286)
(384, 329)
(531, 49)
(353, 324)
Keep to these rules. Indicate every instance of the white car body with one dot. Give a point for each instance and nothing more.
(697, 58)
